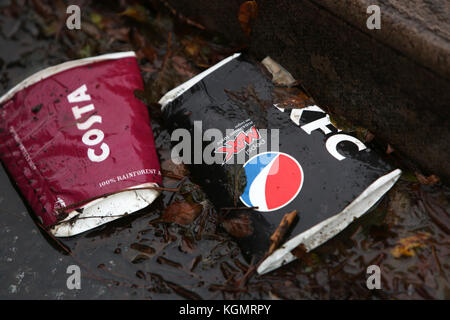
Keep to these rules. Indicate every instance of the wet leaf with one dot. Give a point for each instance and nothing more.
(187, 245)
(43, 9)
(162, 260)
(409, 176)
(120, 34)
(430, 180)
(369, 136)
(299, 251)
(239, 226)
(283, 227)
(144, 49)
(280, 76)
(96, 19)
(302, 254)
(92, 30)
(140, 274)
(139, 259)
(406, 245)
(248, 11)
(389, 149)
(182, 67)
(342, 123)
(137, 12)
(291, 98)
(362, 133)
(176, 169)
(182, 212)
(191, 46)
(183, 292)
(142, 248)
(86, 51)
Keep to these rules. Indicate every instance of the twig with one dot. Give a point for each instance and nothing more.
(281, 230)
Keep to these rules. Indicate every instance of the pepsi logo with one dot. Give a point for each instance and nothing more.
(274, 179)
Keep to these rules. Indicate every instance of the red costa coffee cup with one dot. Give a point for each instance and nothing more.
(78, 143)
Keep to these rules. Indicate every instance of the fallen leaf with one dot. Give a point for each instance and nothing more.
(142, 248)
(176, 169)
(389, 149)
(162, 260)
(248, 11)
(299, 251)
(140, 274)
(182, 67)
(43, 9)
(280, 76)
(239, 226)
(120, 34)
(182, 212)
(406, 245)
(340, 122)
(144, 49)
(369, 136)
(91, 30)
(430, 180)
(137, 12)
(291, 98)
(139, 259)
(278, 235)
(302, 254)
(187, 245)
(192, 46)
(96, 19)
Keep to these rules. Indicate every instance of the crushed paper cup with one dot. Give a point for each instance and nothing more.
(272, 158)
(78, 144)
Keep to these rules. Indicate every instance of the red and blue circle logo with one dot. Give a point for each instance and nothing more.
(274, 179)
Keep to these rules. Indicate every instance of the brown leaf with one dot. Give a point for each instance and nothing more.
(189, 295)
(43, 9)
(162, 260)
(239, 226)
(144, 49)
(299, 251)
(187, 245)
(182, 212)
(302, 254)
(406, 245)
(389, 149)
(136, 12)
(182, 67)
(430, 180)
(369, 136)
(291, 98)
(120, 34)
(142, 248)
(248, 11)
(92, 30)
(176, 169)
(281, 230)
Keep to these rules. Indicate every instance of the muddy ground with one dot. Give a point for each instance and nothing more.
(144, 257)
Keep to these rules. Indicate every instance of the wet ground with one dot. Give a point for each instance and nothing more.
(144, 256)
